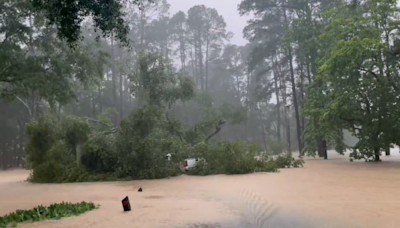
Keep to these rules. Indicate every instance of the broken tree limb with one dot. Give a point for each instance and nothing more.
(217, 130)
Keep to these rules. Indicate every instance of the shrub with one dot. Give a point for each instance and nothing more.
(54, 211)
(142, 144)
(99, 154)
(42, 133)
(51, 148)
(238, 157)
(56, 160)
(135, 151)
(74, 130)
(287, 161)
(227, 157)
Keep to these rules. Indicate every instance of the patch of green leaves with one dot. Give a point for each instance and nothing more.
(40, 213)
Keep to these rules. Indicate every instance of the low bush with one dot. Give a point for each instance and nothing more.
(287, 161)
(238, 157)
(132, 154)
(54, 211)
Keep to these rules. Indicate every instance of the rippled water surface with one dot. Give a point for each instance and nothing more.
(323, 194)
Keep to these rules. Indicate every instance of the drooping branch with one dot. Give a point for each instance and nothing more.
(26, 105)
(217, 130)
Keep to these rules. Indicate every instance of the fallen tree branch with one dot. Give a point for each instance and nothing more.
(217, 130)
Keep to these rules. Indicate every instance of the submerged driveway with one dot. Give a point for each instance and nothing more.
(324, 194)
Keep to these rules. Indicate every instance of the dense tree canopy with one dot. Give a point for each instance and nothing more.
(108, 16)
(315, 75)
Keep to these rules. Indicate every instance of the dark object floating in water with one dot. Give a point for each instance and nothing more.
(140, 190)
(126, 204)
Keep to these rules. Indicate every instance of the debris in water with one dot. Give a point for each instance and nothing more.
(126, 204)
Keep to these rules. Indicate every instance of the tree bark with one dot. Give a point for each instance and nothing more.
(100, 100)
(201, 66)
(278, 103)
(288, 130)
(301, 87)
(322, 150)
(217, 130)
(121, 97)
(114, 78)
(206, 79)
(377, 154)
(295, 101)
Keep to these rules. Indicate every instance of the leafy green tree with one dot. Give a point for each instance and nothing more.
(359, 71)
(108, 16)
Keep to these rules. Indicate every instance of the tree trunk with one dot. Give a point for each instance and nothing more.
(264, 138)
(114, 78)
(121, 98)
(206, 80)
(288, 130)
(201, 67)
(182, 48)
(141, 30)
(301, 87)
(322, 150)
(325, 149)
(377, 153)
(100, 100)
(387, 151)
(295, 101)
(278, 103)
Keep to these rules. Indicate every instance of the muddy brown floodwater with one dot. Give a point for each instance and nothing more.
(323, 194)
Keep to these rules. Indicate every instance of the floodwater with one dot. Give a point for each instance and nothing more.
(324, 194)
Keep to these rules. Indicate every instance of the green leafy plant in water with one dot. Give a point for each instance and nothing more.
(40, 213)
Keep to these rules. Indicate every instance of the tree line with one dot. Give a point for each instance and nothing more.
(330, 66)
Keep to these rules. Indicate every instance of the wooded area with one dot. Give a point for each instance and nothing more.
(311, 69)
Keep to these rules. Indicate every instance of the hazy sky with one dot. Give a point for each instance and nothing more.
(226, 8)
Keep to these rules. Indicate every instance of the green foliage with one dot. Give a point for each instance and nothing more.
(235, 115)
(107, 16)
(55, 163)
(105, 122)
(40, 213)
(100, 155)
(142, 144)
(237, 157)
(51, 148)
(157, 85)
(75, 130)
(43, 135)
(355, 89)
(287, 161)
(137, 149)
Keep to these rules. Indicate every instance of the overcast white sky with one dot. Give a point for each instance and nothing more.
(227, 8)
